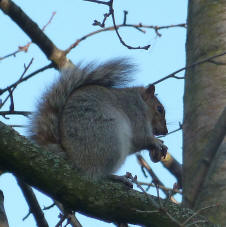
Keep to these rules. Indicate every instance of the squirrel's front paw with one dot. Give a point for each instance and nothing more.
(158, 150)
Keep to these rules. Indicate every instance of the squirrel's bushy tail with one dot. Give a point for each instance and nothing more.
(44, 124)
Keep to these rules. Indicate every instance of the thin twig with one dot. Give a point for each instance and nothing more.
(49, 21)
(17, 126)
(116, 30)
(158, 206)
(154, 177)
(176, 130)
(33, 204)
(98, 2)
(25, 47)
(36, 34)
(197, 212)
(124, 24)
(62, 219)
(49, 207)
(24, 113)
(27, 215)
(112, 28)
(172, 75)
(11, 90)
(161, 187)
(134, 180)
(26, 78)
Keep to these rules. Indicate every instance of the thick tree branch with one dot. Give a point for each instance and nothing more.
(106, 200)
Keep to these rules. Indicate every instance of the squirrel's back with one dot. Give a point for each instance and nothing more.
(44, 127)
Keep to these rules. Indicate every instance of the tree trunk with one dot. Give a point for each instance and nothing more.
(204, 102)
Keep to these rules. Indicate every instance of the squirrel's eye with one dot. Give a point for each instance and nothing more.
(160, 109)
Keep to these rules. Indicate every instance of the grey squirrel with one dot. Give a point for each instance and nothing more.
(88, 114)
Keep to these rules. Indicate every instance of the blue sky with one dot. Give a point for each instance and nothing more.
(74, 19)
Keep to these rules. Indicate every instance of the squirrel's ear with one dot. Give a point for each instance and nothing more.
(149, 92)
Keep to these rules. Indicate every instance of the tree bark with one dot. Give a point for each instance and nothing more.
(204, 102)
(105, 199)
(3, 217)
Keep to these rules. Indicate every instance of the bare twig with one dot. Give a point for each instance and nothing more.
(99, 2)
(197, 212)
(102, 25)
(62, 219)
(70, 216)
(32, 201)
(49, 22)
(27, 215)
(25, 47)
(17, 126)
(112, 28)
(172, 75)
(116, 27)
(57, 56)
(176, 130)
(14, 85)
(111, 10)
(24, 113)
(134, 180)
(49, 207)
(157, 183)
(154, 177)
(161, 187)
(158, 206)
(11, 90)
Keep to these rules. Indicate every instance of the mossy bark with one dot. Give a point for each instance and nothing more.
(204, 101)
(105, 199)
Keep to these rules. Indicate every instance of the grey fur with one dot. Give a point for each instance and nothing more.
(97, 123)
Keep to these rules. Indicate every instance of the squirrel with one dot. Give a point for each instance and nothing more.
(91, 116)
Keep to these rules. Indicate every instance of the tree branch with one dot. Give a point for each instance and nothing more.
(105, 199)
(154, 177)
(33, 204)
(57, 56)
(14, 112)
(112, 28)
(172, 75)
(3, 217)
(26, 47)
(21, 80)
(174, 167)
